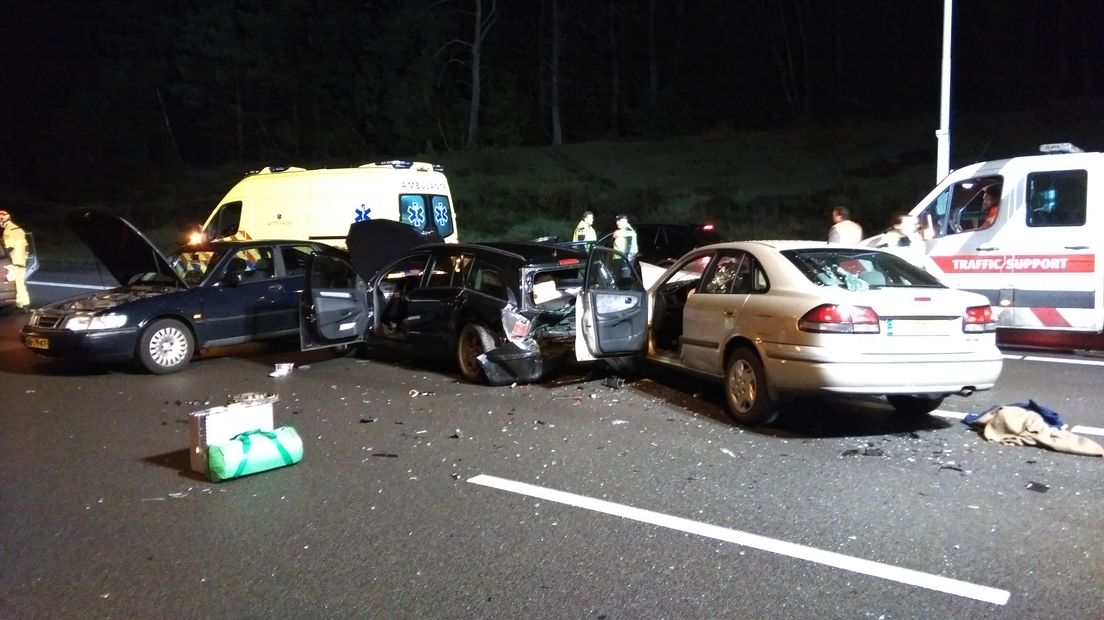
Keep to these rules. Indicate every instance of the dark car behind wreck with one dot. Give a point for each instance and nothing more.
(504, 311)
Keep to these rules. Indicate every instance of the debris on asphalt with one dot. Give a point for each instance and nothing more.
(1016, 425)
(282, 369)
(367, 420)
(868, 451)
(386, 455)
(620, 422)
(728, 452)
(1038, 487)
(416, 393)
(457, 435)
(614, 382)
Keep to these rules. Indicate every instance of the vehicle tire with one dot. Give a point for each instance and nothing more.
(745, 385)
(914, 404)
(473, 341)
(165, 346)
(629, 367)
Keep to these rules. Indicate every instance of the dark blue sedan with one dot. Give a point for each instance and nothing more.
(214, 294)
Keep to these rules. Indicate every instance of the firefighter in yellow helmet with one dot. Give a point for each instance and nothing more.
(15, 242)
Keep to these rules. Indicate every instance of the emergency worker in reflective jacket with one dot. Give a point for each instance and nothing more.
(624, 241)
(15, 242)
(624, 238)
(584, 231)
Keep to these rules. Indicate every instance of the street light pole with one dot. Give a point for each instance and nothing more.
(943, 134)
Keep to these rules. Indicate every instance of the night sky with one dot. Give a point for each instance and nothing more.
(106, 88)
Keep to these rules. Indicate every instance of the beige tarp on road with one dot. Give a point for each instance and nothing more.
(1017, 426)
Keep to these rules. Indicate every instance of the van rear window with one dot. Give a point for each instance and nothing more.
(438, 219)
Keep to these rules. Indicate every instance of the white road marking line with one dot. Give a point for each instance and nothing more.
(1079, 429)
(1087, 430)
(1053, 360)
(793, 550)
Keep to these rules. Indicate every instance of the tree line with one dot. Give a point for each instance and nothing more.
(125, 88)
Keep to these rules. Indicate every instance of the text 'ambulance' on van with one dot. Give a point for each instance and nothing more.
(319, 205)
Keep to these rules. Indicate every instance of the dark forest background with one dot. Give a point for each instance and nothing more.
(159, 106)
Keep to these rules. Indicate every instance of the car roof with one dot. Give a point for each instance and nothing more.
(237, 243)
(521, 252)
(777, 244)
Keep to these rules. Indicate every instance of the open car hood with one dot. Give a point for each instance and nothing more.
(373, 244)
(124, 250)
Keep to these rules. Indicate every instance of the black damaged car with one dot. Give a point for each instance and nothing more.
(504, 311)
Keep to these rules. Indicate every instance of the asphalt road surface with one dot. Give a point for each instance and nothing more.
(420, 496)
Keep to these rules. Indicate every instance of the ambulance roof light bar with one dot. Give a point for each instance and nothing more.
(1059, 147)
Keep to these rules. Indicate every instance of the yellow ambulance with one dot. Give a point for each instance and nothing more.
(319, 205)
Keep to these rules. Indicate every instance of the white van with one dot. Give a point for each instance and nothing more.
(1037, 255)
(318, 205)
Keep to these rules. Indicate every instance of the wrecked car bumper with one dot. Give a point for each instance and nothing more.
(511, 363)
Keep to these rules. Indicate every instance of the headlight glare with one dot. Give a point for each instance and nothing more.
(86, 322)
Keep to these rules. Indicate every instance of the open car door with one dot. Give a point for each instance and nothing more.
(333, 309)
(613, 316)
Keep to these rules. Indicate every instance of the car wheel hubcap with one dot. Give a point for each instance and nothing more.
(167, 347)
(741, 387)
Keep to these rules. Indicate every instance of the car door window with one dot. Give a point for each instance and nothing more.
(295, 259)
(244, 262)
(396, 284)
(730, 273)
(331, 273)
(448, 270)
(261, 268)
(488, 279)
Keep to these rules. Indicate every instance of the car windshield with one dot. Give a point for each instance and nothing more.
(856, 269)
(193, 265)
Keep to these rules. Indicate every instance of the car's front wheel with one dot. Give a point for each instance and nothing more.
(473, 341)
(166, 346)
(749, 402)
(914, 404)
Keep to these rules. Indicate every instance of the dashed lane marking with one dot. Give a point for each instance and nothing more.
(770, 545)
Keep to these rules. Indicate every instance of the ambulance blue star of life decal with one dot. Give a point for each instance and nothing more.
(415, 214)
(363, 214)
(440, 214)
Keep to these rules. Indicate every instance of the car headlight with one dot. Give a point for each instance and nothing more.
(85, 322)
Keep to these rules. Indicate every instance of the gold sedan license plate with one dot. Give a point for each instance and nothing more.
(37, 343)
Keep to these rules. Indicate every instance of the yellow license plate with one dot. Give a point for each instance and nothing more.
(37, 343)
